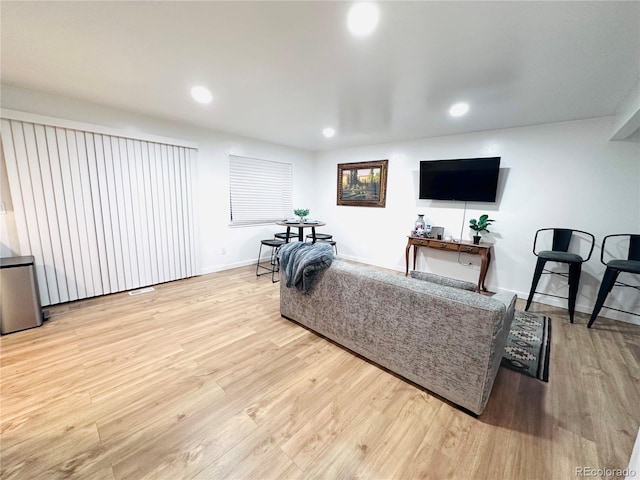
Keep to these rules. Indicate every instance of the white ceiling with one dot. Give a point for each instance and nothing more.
(282, 71)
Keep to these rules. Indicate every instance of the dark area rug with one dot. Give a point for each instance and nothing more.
(529, 345)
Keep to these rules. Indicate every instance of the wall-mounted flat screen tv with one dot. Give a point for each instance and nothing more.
(465, 179)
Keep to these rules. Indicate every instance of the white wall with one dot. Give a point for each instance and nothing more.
(240, 244)
(563, 174)
(555, 175)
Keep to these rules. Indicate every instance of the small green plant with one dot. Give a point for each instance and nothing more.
(301, 212)
(481, 224)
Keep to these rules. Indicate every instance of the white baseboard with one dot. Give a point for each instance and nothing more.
(226, 266)
(582, 308)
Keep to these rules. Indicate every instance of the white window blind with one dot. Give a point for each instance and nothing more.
(261, 191)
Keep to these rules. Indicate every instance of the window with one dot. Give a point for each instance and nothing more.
(260, 190)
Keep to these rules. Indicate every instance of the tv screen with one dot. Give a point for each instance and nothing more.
(467, 179)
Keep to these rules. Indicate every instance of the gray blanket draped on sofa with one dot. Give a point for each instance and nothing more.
(300, 263)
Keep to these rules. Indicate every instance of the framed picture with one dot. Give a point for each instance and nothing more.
(363, 184)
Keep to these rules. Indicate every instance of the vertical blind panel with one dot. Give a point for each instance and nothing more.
(190, 167)
(154, 168)
(69, 204)
(166, 209)
(179, 207)
(101, 271)
(151, 257)
(116, 266)
(62, 232)
(170, 205)
(92, 265)
(100, 213)
(261, 190)
(54, 258)
(124, 207)
(142, 228)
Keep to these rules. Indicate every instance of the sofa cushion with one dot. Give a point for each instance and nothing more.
(446, 281)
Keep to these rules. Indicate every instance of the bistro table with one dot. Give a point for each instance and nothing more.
(301, 227)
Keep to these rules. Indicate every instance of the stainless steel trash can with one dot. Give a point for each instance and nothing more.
(20, 299)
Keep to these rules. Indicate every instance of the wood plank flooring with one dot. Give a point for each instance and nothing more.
(203, 379)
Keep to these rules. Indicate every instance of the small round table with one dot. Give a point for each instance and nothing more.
(301, 227)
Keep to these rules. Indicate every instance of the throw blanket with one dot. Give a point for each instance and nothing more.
(301, 263)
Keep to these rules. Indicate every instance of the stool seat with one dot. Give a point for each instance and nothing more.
(629, 266)
(272, 242)
(320, 236)
(564, 257)
(284, 236)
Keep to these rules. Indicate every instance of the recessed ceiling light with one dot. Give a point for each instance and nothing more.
(328, 132)
(363, 19)
(458, 109)
(201, 94)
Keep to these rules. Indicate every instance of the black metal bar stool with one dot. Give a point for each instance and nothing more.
(274, 264)
(560, 253)
(614, 267)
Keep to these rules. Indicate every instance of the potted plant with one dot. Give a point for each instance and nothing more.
(480, 225)
(301, 213)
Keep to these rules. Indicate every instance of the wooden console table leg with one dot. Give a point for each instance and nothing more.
(406, 272)
(485, 256)
(487, 267)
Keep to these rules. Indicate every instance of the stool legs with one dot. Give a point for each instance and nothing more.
(273, 261)
(258, 263)
(608, 281)
(574, 280)
(536, 278)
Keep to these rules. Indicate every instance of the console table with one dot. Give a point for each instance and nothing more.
(483, 249)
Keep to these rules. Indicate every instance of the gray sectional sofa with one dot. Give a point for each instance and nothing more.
(429, 329)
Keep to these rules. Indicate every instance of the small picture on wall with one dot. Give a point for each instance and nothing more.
(363, 184)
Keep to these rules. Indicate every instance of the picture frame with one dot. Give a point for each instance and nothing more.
(363, 184)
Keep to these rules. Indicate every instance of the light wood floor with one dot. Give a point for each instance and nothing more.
(203, 379)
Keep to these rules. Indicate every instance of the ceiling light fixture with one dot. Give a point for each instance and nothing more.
(363, 19)
(201, 95)
(328, 132)
(458, 109)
